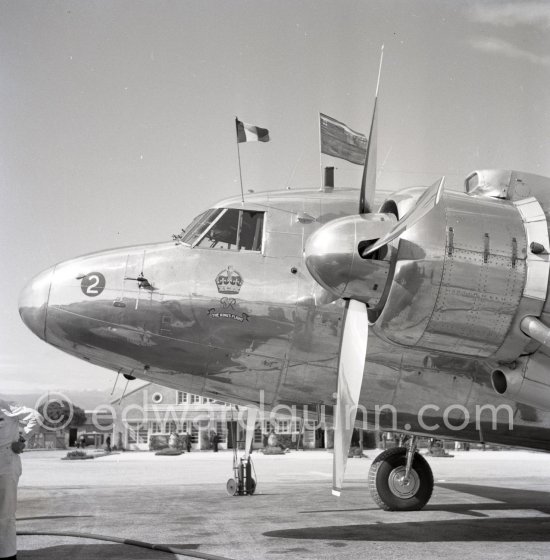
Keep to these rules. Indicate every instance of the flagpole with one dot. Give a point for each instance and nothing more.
(239, 158)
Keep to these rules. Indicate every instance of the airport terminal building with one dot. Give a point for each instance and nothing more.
(151, 412)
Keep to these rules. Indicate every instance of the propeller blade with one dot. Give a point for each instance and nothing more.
(350, 377)
(368, 181)
(428, 201)
(251, 417)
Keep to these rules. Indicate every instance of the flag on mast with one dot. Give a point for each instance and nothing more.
(250, 133)
(339, 140)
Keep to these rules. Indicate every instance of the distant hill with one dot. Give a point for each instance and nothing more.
(87, 400)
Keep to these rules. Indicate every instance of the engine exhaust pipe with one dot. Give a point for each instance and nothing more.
(529, 384)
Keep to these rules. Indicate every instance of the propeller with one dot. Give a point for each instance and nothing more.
(368, 181)
(353, 350)
(251, 417)
(428, 201)
(353, 353)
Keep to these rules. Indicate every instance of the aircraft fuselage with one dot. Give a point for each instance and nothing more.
(253, 327)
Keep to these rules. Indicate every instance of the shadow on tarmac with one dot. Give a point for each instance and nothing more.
(95, 551)
(517, 529)
(510, 498)
(91, 552)
(51, 517)
(480, 527)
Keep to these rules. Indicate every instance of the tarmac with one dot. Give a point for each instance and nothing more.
(492, 504)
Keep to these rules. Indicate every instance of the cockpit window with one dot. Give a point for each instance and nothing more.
(227, 228)
(472, 182)
(251, 230)
(199, 224)
(223, 233)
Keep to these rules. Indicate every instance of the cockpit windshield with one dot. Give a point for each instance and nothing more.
(226, 228)
(199, 224)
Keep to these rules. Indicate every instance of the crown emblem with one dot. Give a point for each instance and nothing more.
(229, 281)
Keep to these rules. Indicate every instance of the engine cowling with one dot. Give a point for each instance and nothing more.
(459, 278)
(459, 281)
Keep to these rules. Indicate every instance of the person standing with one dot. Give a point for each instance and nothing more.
(215, 441)
(187, 442)
(12, 443)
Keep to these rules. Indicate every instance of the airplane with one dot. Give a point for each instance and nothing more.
(426, 317)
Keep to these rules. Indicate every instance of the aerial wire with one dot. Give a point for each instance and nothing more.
(116, 381)
(124, 392)
(291, 176)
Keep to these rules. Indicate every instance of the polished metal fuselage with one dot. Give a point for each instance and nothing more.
(255, 328)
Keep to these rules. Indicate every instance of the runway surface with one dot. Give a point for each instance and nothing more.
(489, 505)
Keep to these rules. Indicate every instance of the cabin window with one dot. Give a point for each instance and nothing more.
(231, 229)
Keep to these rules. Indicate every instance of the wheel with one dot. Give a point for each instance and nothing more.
(388, 488)
(252, 487)
(232, 487)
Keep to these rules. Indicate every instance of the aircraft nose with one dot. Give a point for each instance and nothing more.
(33, 302)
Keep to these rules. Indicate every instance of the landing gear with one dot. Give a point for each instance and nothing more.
(400, 479)
(243, 484)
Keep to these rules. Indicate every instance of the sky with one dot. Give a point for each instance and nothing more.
(117, 118)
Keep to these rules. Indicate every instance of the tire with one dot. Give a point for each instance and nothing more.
(232, 487)
(386, 486)
(252, 487)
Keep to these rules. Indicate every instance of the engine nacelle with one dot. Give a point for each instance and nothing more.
(465, 277)
(506, 184)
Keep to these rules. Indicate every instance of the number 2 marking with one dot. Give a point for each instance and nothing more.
(91, 289)
(92, 284)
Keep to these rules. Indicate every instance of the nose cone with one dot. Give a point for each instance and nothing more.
(33, 303)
